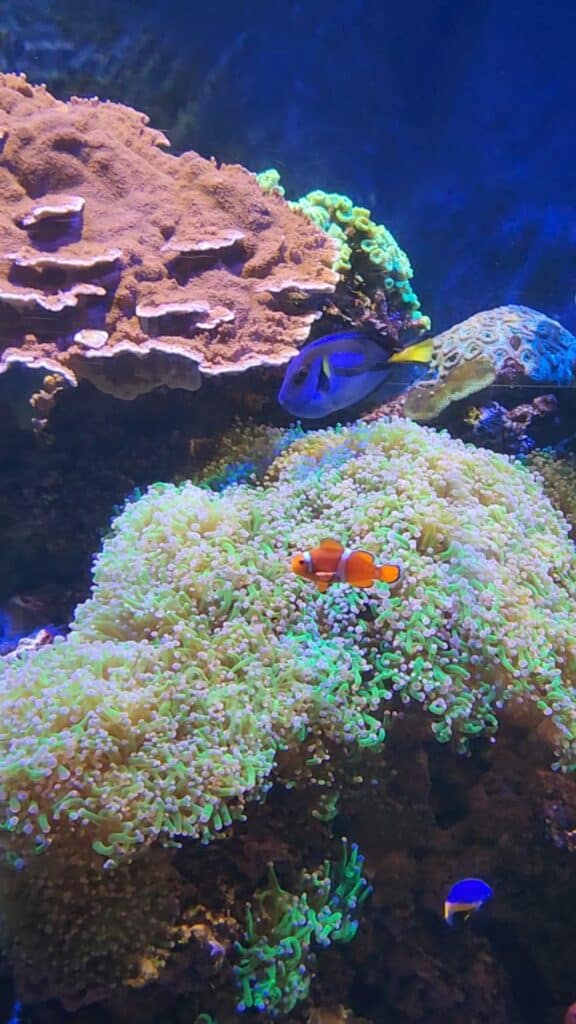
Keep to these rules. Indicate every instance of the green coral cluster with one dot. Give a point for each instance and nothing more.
(245, 453)
(269, 181)
(201, 670)
(364, 246)
(559, 479)
(200, 657)
(274, 962)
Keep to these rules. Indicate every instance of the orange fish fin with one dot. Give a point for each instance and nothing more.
(388, 573)
(329, 544)
(360, 569)
(322, 585)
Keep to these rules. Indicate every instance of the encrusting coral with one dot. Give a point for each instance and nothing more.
(507, 430)
(130, 267)
(505, 345)
(200, 671)
(65, 923)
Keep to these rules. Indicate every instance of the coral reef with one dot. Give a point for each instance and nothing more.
(176, 776)
(508, 430)
(558, 476)
(428, 819)
(507, 345)
(130, 267)
(60, 487)
(274, 972)
(375, 272)
(54, 951)
(201, 673)
(181, 630)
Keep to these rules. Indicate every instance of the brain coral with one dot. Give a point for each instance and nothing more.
(509, 344)
(199, 657)
(130, 267)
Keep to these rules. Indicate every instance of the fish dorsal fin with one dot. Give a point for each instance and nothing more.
(365, 557)
(329, 544)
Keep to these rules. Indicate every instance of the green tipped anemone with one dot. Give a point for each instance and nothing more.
(200, 672)
(199, 656)
(274, 969)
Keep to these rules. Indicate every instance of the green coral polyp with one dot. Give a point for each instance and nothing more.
(273, 972)
(364, 246)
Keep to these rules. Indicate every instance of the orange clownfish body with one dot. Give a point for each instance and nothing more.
(331, 563)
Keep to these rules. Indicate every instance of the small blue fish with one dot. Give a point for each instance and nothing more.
(16, 1016)
(339, 370)
(465, 897)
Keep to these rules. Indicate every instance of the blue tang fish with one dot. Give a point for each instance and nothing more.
(16, 1017)
(339, 370)
(465, 897)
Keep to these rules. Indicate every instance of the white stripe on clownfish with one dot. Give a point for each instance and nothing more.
(340, 573)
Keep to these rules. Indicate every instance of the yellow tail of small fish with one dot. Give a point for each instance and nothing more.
(421, 352)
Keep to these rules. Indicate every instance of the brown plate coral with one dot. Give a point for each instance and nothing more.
(130, 267)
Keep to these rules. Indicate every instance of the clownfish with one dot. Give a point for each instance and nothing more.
(331, 563)
(465, 897)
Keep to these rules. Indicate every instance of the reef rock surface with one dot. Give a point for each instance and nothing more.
(132, 268)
